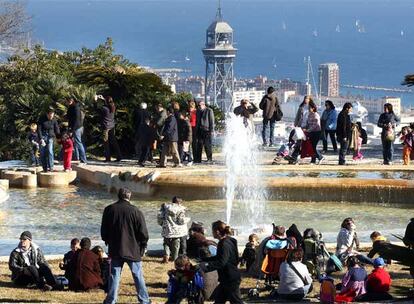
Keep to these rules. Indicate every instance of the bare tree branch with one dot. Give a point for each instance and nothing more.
(14, 21)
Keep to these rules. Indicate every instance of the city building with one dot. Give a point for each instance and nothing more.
(192, 85)
(219, 54)
(254, 96)
(329, 79)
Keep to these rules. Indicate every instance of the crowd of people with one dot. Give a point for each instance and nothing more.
(181, 133)
(287, 259)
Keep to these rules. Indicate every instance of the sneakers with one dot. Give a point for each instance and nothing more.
(189, 164)
(321, 160)
(178, 165)
(47, 287)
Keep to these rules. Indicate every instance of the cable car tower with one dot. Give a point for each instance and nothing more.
(219, 55)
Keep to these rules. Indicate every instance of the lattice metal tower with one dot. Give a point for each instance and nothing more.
(219, 54)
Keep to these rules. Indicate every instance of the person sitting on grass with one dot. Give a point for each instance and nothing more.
(353, 282)
(104, 265)
(85, 269)
(74, 246)
(295, 279)
(378, 284)
(28, 265)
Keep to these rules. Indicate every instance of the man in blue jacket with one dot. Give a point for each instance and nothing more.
(169, 138)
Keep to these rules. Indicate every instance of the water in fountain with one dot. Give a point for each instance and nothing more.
(243, 177)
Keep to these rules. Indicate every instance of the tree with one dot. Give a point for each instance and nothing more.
(14, 21)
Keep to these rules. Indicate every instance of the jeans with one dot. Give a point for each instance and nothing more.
(34, 155)
(331, 134)
(115, 276)
(387, 150)
(46, 154)
(79, 148)
(342, 151)
(314, 138)
(272, 128)
(172, 247)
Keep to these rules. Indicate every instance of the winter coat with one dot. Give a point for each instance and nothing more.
(17, 262)
(197, 245)
(313, 123)
(170, 131)
(33, 138)
(67, 145)
(269, 104)
(140, 116)
(173, 221)
(85, 271)
(225, 262)
(290, 282)
(385, 119)
(74, 116)
(205, 120)
(409, 234)
(354, 280)
(107, 118)
(184, 131)
(249, 255)
(378, 281)
(343, 126)
(49, 128)
(328, 120)
(389, 251)
(124, 230)
(300, 118)
(147, 135)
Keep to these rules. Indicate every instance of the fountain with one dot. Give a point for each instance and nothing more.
(243, 176)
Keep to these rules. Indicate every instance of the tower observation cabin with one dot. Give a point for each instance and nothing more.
(219, 55)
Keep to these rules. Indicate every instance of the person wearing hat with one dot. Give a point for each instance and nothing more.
(171, 217)
(378, 283)
(28, 265)
(48, 130)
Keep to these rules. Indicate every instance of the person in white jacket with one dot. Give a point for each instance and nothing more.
(295, 279)
(173, 221)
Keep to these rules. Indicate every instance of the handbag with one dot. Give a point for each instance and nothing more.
(278, 114)
(390, 135)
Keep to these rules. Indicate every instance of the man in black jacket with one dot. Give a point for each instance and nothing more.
(48, 129)
(28, 265)
(269, 105)
(204, 132)
(169, 139)
(75, 119)
(141, 115)
(344, 131)
(125, 232)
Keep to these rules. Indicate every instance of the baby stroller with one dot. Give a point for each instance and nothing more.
(288, 149)
(315, 255)
(191, 290)
(296, 139)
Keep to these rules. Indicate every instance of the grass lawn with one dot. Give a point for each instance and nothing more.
(156, 279)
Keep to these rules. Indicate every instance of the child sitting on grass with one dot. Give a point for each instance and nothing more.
(74, 246)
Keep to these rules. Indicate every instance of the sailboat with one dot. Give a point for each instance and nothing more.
(315, 33)
(284, 26)
(187, 58)
(402, 33)
(338, 29)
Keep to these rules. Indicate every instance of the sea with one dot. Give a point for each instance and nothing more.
(372, 41)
